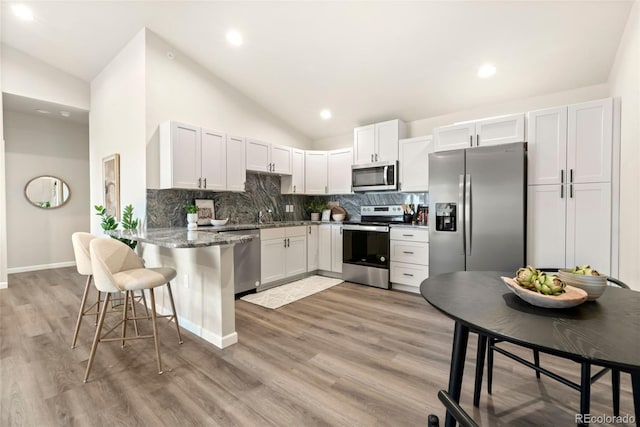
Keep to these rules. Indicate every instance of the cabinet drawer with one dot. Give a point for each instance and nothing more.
(296, 231)
(408, 274)
(409, 234)
(411, 252)
(272, 233)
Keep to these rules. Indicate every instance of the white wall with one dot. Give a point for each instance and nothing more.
(624, 81)
(3, 198)
(182, 90)
(117, 125)
(27, 76)
(425, 126)
(38, 145)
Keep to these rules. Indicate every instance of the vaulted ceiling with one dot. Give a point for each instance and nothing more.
(366, 61)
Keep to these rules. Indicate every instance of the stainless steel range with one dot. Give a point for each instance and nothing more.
(365, 245)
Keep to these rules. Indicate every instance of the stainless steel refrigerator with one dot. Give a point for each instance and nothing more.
(477, 209)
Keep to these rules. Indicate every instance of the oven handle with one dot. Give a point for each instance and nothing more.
(355, 227)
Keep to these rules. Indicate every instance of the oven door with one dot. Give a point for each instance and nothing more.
(365, 255)
(382, 176)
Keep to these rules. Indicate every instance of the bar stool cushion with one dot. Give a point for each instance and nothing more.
(143, 278)
(81, 241)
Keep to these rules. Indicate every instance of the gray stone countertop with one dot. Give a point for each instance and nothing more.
(425, 227)
(203, 236)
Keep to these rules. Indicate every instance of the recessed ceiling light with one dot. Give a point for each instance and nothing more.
(486, 71)
(234, 37)
(43, 111)
(65, 114)
(325, 114)
(22, 12)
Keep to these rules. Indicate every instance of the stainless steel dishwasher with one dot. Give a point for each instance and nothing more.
(246, 261)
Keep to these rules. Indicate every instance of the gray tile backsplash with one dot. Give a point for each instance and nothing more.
(165, 208)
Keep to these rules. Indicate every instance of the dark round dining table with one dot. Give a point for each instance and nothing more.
(604, 332)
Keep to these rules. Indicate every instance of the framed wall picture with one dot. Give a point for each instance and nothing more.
(111, 183)
(205, 211)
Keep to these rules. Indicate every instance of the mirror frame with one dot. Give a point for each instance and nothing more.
(26, 195)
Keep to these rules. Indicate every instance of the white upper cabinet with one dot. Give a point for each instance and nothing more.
(571, 144)
(414, 163)
(315, 172)
(339, 171)
(214, 160)
(454, 137)
(266, 157)
(589, 141)
(377, 142)
(294, 184)
(191, 157)
(236, 167)
(547, 146)
(480, 133)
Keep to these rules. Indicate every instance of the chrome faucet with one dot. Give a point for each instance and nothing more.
(262, 214)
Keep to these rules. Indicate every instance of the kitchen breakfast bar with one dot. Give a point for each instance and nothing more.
(204, 286)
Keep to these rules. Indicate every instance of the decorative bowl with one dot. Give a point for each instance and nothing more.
(594, 286)
(339, 217)
(219, 222)
(570, 298)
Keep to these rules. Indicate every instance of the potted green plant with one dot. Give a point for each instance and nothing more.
(192, 216)
(108, 222)
(315, 207)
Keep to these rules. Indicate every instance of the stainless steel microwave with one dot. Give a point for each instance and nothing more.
(380, 176)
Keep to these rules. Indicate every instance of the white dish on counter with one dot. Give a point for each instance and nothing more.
(219, 222)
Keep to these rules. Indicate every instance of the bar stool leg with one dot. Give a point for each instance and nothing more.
(144, 301)
(155, 328)
(98, 308)
(96, 338)
(132, 300)
(175, 316)
(125, 308)
(81, 312)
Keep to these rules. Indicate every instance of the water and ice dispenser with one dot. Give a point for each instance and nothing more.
(446, 216)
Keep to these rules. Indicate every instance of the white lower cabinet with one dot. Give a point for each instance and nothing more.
(409, 263)
(330, 247)
(312, 247)
(283, 253)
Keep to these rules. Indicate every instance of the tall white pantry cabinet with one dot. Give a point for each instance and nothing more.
(571, 186)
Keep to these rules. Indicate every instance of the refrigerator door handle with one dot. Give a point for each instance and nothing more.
(467, 215)
(459, 214)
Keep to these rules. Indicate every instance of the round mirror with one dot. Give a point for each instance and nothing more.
(47, 192)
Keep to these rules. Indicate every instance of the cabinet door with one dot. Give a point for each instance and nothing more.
(454, 137)
(589, 140)
(500, 130)
(236, 164)
(297, 171)
(324, 247)
(258, 158)
(546, 226)
(296, 254)
(387, 136)
(186, 156)
(414, 163)
(272, 260)
(336, 248)
(281, 159)
(315, 172)
(364, 144)
(547, 147)
(589, 226)
(312, 247)
(214, 160)
(339, 171)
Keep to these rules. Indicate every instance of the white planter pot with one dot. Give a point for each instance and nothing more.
(315, 216)
(192, 221)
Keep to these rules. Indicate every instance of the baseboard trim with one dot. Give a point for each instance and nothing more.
(405, 288)
(40, 267)
(4, 285)
(209, 336)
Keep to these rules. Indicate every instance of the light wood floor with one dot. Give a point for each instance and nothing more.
(348, 356)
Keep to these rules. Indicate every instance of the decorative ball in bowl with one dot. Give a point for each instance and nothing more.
(339, 217)
(219, 222)
(593, 285)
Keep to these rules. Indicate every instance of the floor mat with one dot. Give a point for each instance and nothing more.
(286, 294)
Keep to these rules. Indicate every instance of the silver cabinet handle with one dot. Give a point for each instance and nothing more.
(477, 140)
(407, 235)
(371, 158)
(376, 157)
(205, 183)
(561, 176)
(571, 176)
(470, 140)
(407, 252)
(571, 191)
(285, 243)
(326, 189)
(562, 191)
(309, 229)
(407, 274)
(199, 182)
(294, 188)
